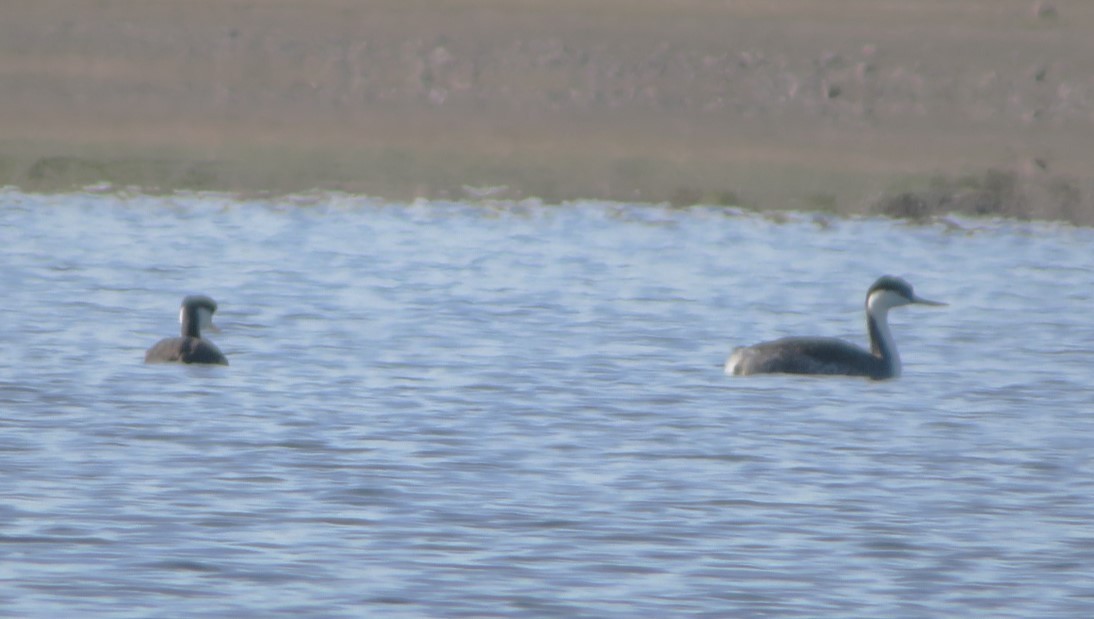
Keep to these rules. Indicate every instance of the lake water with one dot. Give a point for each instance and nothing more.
(455, 410)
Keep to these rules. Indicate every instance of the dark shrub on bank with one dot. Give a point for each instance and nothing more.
(995, 193)
(63, 172)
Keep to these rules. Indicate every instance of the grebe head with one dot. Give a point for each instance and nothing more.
(200, 309)
(889, 292)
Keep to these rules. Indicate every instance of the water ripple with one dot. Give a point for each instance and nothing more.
(445, 409)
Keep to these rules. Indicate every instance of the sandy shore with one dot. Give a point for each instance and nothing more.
(843, 105)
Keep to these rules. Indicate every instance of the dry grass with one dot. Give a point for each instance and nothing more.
(777, 104)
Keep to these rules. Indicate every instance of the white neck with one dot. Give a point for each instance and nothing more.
(881, 338)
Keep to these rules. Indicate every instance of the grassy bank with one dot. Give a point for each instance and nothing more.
(770, 105)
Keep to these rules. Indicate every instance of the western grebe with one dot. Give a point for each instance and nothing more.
(819, 355)
(196, 314)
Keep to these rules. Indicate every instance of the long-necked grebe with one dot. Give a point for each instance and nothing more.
(820, 355)
(196, 314)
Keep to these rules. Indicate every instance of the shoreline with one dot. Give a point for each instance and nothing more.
(980, 105)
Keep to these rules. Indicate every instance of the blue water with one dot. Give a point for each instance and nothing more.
(516, 410)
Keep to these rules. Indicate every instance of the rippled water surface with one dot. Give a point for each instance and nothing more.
(519, 410)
